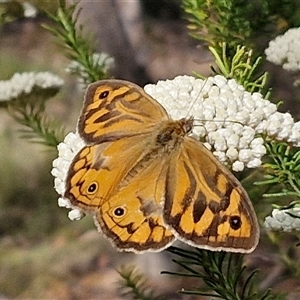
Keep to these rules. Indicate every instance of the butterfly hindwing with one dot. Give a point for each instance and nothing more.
(124, 192)
(132, 218)
(205, 204)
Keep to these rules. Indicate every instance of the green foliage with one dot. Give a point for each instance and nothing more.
(78, 47)
(233, 21)
(223, 274)
(134, 286)
(239, 22)
(10, 11)
(242, 67)
(28, 110)
(37, 127)
(283, 170)
(286, 13)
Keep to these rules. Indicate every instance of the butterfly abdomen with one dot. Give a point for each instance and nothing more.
(142, 164)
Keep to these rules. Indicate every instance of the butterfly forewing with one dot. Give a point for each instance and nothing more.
(116, 109)
(98, 170)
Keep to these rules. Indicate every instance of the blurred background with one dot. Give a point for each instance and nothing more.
(43, 255)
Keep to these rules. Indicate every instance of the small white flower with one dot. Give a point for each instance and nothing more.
(295, 135)
(30, 10)
(272, 224)
(232, 141)
(284, 219)
(63, 202)
(284, 50)
(67, 150)
(245, 155)
(238, 166)
(221, 156)
(76, 214)
(101, 59)
(232, 154)
(220, 143)
(24, 83)
(254, 163)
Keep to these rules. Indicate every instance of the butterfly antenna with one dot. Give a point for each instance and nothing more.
(196, 98)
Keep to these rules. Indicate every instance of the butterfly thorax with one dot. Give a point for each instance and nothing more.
(169, 137)
(172, 132)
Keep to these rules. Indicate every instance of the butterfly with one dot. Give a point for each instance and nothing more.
(147, 182)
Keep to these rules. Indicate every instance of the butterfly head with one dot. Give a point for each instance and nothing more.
(186, 124)
(172, 132)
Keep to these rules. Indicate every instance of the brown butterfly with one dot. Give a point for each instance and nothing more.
(146, 181)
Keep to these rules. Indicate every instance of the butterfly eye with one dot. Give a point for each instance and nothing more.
(119, 212)
(93, 187)
(235, 222)
(103, 95)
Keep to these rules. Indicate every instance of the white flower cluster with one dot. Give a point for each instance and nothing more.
(67, 150)
(284, 219)
(284, 50)
(24, 83)
(102, 59)
(230, 118)
(227, 118)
